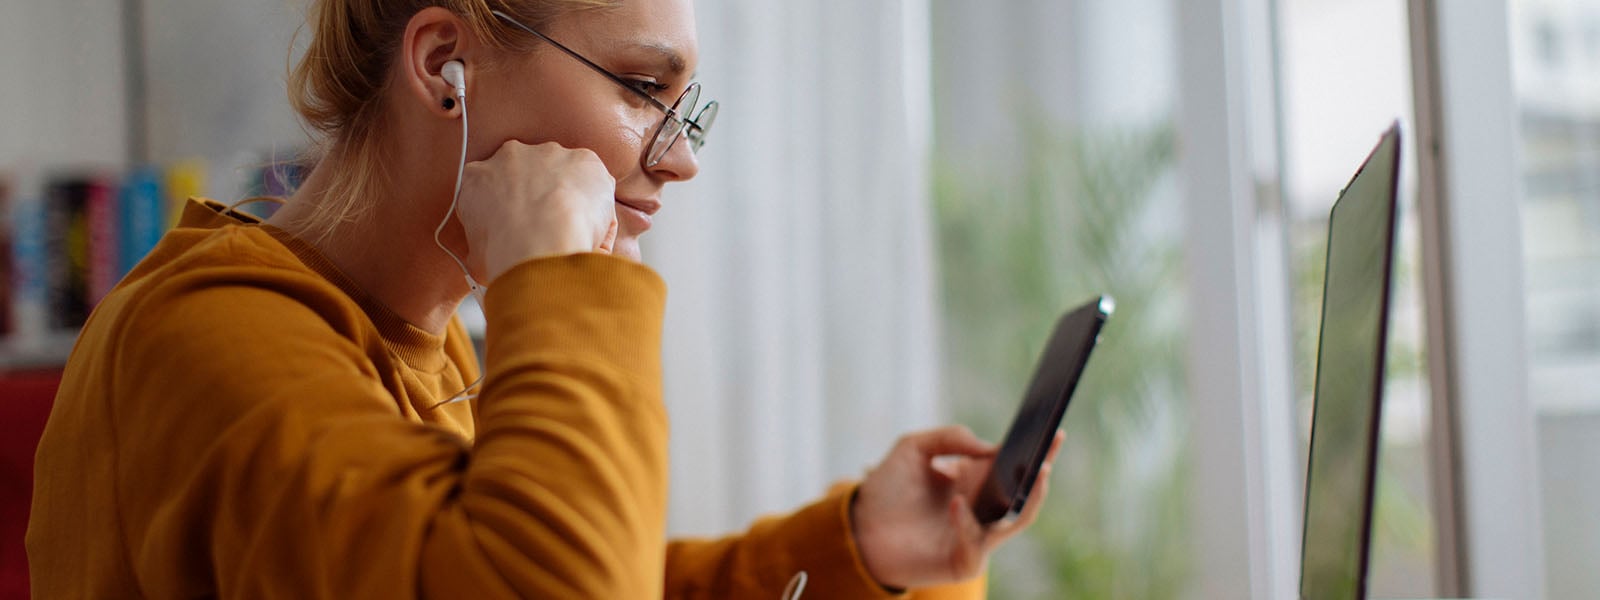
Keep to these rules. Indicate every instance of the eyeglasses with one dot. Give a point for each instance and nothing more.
(673, 125)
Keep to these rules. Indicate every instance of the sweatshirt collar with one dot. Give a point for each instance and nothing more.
(420, 349)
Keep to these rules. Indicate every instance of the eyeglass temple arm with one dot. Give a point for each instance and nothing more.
(570, 52)
(695, 122)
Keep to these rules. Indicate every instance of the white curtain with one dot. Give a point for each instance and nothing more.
(801, 334)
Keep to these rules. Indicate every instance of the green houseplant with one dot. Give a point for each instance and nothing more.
(1083, 214)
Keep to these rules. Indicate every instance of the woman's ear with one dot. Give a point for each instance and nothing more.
(433, 37)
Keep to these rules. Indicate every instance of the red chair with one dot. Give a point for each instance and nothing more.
(25, 399)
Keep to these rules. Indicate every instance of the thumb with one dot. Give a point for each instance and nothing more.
(955, 439)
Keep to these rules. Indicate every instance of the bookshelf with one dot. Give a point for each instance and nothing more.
(73, 112)
(187, 95)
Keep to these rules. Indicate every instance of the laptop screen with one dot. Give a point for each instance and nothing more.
(1349, 387)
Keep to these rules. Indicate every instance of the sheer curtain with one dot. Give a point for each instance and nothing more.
(801, 334)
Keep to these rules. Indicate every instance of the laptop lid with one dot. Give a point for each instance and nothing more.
(1349, 387)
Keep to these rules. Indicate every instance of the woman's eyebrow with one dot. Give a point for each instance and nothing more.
(666, 53)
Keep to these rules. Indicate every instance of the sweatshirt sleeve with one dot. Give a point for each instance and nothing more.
(759, 563)
(265, 453)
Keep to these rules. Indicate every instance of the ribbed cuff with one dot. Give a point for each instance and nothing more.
(828, 551)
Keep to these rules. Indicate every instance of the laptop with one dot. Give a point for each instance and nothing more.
(1349, 383)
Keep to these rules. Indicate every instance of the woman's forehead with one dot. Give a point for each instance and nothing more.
(663, 30)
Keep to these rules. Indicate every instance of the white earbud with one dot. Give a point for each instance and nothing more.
(455, 74)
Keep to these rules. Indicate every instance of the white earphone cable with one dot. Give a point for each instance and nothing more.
(797, 586)
(478, 291)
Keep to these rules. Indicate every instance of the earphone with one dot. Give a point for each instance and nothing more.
(455, 74)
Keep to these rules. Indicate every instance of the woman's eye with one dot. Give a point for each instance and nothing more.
(647, 86)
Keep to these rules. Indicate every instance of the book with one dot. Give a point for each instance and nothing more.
(277, 180)
(7, 272)
(101, 268)
(30, 292)
(143, 208)
(185, 179)
(66, 252)
(80, 246)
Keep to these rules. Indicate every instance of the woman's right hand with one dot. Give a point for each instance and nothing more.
(533, 201)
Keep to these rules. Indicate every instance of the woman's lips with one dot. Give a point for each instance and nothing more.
(634, 216)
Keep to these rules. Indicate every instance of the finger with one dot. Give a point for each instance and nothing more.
(1004, 530)
(1055, 447)
(971, 474)
(966, 467)
(609, 240)
(955, 439)
(962, 521)
(949, 466)
(971, 546)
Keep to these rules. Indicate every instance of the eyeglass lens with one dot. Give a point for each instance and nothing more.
(672, 126)
(702, 124)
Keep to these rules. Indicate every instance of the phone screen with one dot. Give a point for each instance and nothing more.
(1022, 453)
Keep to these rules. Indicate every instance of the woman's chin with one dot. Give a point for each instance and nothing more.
(627, 247)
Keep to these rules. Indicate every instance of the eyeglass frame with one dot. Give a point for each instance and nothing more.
(692, 130)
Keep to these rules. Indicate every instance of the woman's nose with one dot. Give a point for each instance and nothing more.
(679, 163)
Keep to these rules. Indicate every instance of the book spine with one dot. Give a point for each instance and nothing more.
(143, 217)
(100, 218)
(66, 254)
(185, 180)
(30, 260)
(278, 180)
(8, 278)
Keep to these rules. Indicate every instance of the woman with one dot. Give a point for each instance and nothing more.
(263, 409)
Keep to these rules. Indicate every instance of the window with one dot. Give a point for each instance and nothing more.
(1559, 114)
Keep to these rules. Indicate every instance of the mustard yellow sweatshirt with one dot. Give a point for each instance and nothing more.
(239, 420)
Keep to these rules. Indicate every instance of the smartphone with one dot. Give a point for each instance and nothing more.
(1005, 490)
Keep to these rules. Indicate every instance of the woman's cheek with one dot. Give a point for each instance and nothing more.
(623, 146)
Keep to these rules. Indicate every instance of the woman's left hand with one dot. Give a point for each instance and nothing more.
(912, 515)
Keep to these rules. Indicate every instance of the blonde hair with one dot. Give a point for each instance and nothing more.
(338, 86)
